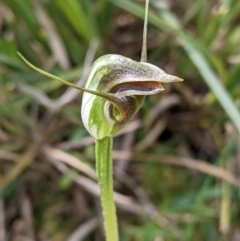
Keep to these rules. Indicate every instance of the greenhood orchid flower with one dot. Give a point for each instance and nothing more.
(125, 83)
(114, 92)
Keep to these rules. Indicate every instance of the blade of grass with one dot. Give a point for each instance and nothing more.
(213, 82)
(193, 10)
(23, 162)
(78, 18)
(225, 211)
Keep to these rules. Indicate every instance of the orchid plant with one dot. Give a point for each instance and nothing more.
(114, 92)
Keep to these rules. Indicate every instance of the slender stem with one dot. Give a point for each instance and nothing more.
(144, 44)
(105, 180)
(108, 96)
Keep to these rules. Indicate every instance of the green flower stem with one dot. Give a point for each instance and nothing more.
(105, 180)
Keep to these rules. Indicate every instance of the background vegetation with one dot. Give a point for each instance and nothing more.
(177, 164)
